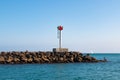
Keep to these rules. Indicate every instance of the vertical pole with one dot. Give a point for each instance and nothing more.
(60, 28)
(60, 41)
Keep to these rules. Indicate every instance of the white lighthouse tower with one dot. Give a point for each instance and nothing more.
(60, 49)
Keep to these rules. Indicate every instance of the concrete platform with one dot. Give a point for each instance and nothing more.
(60, 49)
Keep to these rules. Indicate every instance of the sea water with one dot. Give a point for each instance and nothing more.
(65, 71)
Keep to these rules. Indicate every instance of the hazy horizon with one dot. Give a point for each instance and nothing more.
(89, 25)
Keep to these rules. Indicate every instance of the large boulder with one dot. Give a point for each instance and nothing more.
(36, 60)
(30, 60)
(2, 59)
(16, 60)
(79, 59)
(61, 59)
(45, 59)
(9, 59)
(23, 59)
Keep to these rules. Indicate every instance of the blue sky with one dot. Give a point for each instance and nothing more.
(89, 25)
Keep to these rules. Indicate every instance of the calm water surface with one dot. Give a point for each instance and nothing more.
(70, 71)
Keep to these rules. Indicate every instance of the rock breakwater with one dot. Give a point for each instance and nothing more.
(45, 57)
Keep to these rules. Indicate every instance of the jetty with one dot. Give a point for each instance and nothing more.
(40, 57)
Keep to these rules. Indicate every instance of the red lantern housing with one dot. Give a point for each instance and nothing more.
(60, 28)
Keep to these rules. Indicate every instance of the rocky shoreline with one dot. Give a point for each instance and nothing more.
(27, 57)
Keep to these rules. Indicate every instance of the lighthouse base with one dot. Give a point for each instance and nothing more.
(60, 49)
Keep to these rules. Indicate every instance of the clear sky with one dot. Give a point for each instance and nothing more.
(89, 25)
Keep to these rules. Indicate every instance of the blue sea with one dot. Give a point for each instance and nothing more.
(65, 71)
